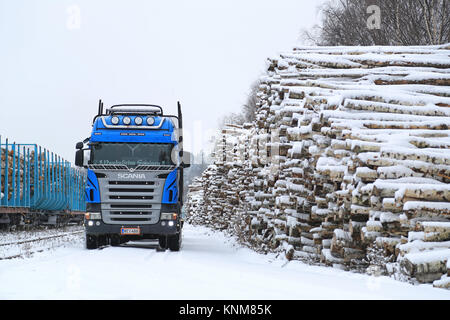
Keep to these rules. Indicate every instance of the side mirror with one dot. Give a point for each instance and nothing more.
(186, 165)
(79, 145)
(186, 159)
(79, 158)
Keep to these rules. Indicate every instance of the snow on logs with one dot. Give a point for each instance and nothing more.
(347, 163)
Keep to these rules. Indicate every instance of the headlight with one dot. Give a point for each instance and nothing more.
(93, 216)
(115, 120)
(127, 120)
(168, 216)
(138, 121)
(150, 121)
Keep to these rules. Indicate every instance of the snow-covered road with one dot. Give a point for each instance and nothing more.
(210, 266)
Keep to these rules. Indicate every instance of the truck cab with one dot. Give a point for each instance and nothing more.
(135, 161)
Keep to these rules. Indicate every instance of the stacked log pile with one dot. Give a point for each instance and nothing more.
(5, 157)
(20, 163)
(17, 168)
(194, 201)
(355, 170)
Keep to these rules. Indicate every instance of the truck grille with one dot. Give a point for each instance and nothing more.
(131, 201)
(136, 183)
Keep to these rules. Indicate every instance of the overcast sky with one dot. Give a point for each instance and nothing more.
(58, 58)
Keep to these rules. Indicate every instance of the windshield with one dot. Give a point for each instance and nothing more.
(131, 154)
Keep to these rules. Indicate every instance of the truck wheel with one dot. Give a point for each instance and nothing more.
(91, 242)
(163, 242)
(115, 240)
(174, 242)
(102, 240)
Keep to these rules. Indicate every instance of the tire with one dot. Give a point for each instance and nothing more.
(174, 242)
(91, 242)
(102, 240)
(163, 242)
(115, 241)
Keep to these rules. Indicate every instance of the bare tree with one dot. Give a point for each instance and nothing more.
(435, 19)
(403, 22)
(248, 113)
(251, 105)
(231, 118)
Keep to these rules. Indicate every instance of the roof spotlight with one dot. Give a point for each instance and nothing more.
(115, 120)
(126, 120)
(138, 121)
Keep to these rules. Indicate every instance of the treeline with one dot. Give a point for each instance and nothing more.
(367, 23)
(401, 22)
(248, 111)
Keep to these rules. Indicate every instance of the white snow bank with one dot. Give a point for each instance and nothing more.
(444, 282)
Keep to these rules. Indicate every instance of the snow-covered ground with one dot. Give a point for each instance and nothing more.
(210, 266)
(26, 243)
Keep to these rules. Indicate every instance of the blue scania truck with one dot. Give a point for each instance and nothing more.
(135, 161)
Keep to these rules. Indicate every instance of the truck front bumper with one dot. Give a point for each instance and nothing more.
(162, 228)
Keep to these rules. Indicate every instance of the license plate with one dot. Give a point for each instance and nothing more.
(130, 231)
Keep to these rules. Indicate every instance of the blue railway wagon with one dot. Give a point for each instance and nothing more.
(38, 186)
